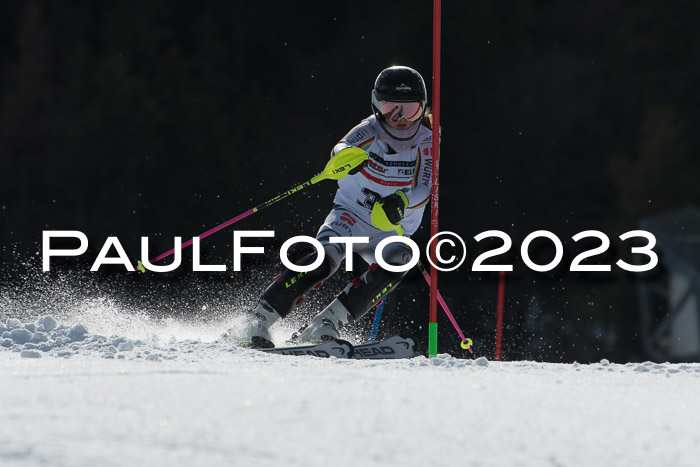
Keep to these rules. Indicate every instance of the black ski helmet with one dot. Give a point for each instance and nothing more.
(398, 84)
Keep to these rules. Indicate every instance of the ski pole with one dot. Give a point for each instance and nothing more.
(381, 221)
(336, 168)
(375, 323)
(466, 342)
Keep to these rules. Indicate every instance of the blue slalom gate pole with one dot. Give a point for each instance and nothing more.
(377, 319)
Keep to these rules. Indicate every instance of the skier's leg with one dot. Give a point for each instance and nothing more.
(289, 287)
(279, 298)
(360, 295)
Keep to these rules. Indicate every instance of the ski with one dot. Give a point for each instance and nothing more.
(336, 348)
(393, 347)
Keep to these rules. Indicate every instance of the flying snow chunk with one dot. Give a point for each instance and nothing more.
(39, 337)
(77, 332)
(30, 354)
(482, 361)
(47, 322)
(125, 346)
(12, 324)
(21, 336)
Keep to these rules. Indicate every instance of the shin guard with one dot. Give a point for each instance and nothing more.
(289, 287)
(368, 290)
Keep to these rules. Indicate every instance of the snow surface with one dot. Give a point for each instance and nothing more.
(165, 394)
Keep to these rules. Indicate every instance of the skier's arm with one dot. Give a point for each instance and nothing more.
(362, 136)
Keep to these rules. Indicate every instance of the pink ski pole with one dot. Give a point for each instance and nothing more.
(337, 168)
(466, 343)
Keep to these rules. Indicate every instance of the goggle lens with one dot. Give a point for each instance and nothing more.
(395, 111)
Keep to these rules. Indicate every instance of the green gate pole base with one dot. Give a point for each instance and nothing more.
(432, 339)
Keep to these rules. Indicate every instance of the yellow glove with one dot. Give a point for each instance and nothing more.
(388, 212)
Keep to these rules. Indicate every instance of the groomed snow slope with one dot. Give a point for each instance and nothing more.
(72, 398)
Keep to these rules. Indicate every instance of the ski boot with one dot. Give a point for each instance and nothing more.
(325, 325)
(255, 333)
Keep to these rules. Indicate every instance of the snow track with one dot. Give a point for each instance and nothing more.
(112, 401)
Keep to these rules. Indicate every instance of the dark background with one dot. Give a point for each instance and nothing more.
(167, 118)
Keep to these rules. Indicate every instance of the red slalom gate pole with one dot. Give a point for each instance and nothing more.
(432, 325)
(499, 312)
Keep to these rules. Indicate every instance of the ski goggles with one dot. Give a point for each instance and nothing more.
(395, 111)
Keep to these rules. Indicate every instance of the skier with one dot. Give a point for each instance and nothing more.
(397, 175)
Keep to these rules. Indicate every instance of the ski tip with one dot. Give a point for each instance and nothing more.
(139, 266)
(393, 347)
